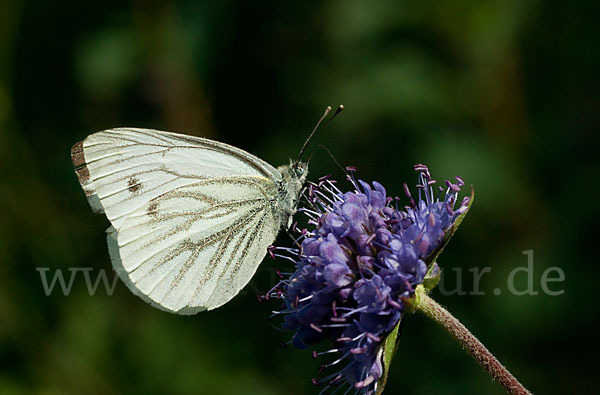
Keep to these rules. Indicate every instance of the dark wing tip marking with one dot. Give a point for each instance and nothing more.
(83, 174)
(77, 154)
(78, 158)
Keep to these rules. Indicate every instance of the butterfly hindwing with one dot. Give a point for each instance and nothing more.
(196, 247)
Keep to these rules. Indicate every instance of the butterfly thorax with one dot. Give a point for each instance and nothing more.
(290, 187)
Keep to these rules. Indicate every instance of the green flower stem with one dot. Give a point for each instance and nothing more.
(440, 315)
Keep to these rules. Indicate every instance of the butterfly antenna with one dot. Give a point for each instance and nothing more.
(327, 111)
(333, 157)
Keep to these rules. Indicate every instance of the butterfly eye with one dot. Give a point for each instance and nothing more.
(299, 169)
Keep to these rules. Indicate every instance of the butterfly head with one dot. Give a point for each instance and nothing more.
(293, 176)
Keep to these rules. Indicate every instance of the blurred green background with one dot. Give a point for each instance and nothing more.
(504, 93)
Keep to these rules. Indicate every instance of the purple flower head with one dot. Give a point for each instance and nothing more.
(357, 266)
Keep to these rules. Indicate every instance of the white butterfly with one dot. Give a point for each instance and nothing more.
(191, 218)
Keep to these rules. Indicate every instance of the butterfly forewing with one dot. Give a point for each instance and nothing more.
(121, 169)
(191, 218)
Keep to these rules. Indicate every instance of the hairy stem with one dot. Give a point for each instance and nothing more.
(439, 314)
